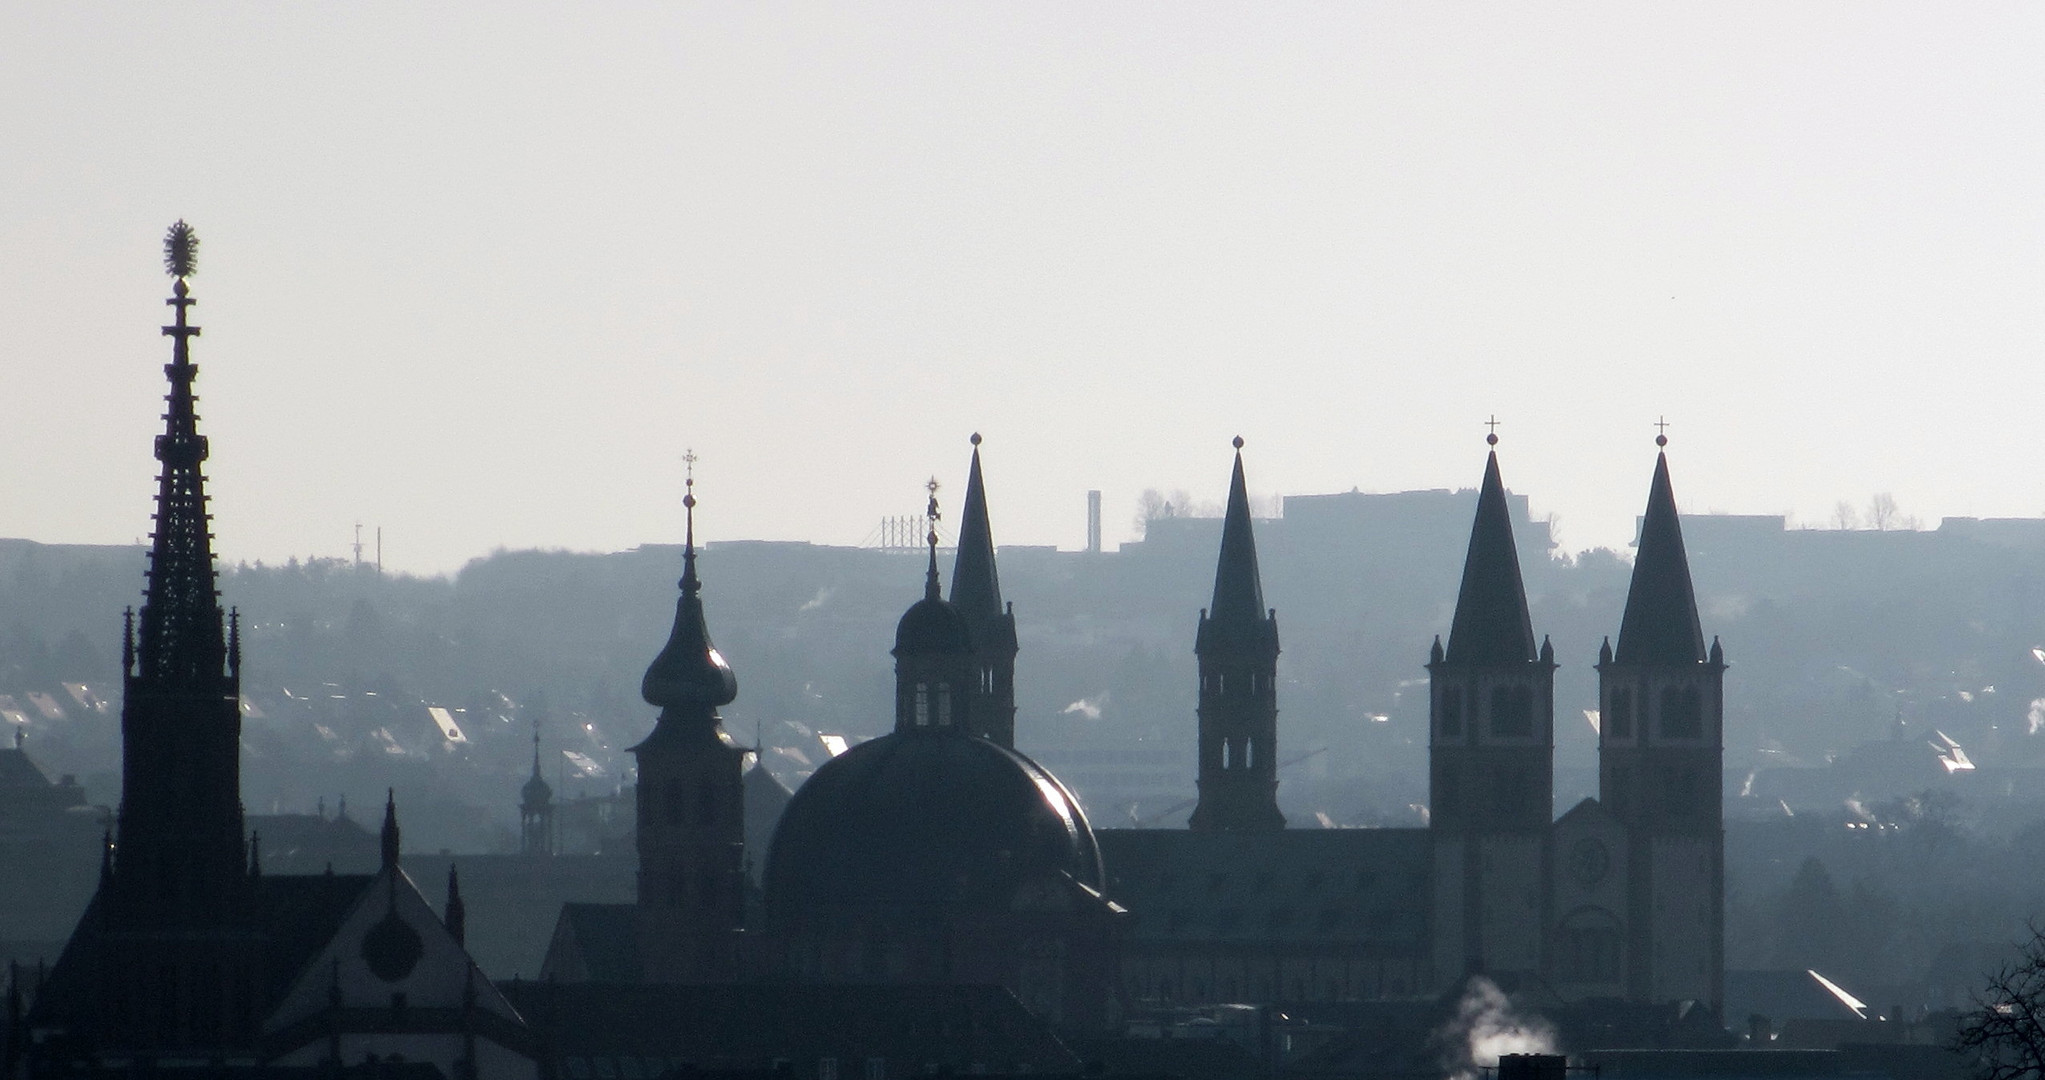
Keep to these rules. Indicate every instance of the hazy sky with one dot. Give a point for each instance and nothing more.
(480, 276)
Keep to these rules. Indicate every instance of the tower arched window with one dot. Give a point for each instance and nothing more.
(1619, 714)
(1512, 711)
(943, 704)
(922, 705)
(1227, 754)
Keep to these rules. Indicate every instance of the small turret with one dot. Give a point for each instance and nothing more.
(935, 666)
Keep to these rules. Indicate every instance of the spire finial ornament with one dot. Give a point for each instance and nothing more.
(181, 251)
(690, 583)
(1661, 428)
(930, 588)
(976, 438)
(1491, 438)
(1239, 442)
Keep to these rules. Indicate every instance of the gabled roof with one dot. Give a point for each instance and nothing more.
(595, 943)
(1660, 625)
(1319, 887)
(1491, 624)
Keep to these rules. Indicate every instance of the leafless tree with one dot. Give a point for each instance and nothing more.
(2005, 1034)
(1883, 515)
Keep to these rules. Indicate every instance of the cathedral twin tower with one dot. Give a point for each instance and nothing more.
(1624, 895)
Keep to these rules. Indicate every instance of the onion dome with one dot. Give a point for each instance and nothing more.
(536, 792)
(689, 673)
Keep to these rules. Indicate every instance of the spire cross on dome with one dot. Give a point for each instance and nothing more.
(1661, 427)
(690, 583)
(1491, 436)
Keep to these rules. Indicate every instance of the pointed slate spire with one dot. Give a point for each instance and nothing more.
(975, 585)
(689, 672)
(1660, 625)
(1238, 587)
(390, 829)
(182, 644)
(1491, 623)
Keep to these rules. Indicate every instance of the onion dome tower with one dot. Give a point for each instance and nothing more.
(690, 799)
(976, 593)
(536, 808)
(1238, 650)
(931, 854)
(1491, 751)
(1661, 749)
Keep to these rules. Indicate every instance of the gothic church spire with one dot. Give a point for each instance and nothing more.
(183, 645)
(1237, 647)
(976, 593)
(1491, 623)
(1660, 625)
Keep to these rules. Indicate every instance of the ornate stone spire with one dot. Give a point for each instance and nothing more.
(1491, 623)
(183, 644)
(1660, 625)
(689, 673)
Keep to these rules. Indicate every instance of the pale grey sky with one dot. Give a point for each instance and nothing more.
(480, 273)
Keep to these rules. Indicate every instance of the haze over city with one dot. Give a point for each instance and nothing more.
(480, 276)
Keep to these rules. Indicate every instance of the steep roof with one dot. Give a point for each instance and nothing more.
(975, 584)
(1238, 587)
(1491, 624)
(1660, 625)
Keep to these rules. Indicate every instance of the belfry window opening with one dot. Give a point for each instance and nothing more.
(922, 706)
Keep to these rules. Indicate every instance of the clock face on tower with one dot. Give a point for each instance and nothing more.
(1589, 860)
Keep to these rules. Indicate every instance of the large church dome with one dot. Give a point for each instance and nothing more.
(926, 819)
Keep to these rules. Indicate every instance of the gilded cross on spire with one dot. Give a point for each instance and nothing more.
(1661, 427)
(1491, 436)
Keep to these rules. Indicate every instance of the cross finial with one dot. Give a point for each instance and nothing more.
(1661, 427)
(930, 588)
(689, 583)
(1491, 434)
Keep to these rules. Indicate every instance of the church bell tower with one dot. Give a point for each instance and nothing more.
(1660, 762)
(691, 804)
(1491, 750)
(1237, 647)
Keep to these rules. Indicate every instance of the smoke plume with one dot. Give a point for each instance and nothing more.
(1485, 1026)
